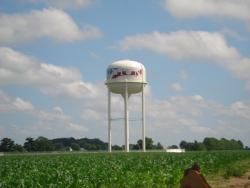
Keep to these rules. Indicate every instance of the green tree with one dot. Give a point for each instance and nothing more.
(192, 146)
(64, 141)
(75, 146)
(44, 144)
(189, 146)
(211, 143)
(173, 147)
(59, 147)
(7, 145)
(183, 144)
(116, 147)
(30, 144)
(198, 146)
(149, 143)
(134, 147)
(159, 146)
(222, 144)
(240, 144)
(18, 147)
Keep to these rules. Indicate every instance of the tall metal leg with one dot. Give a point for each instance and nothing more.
(109, 121)
(126, 114)
(143, 120)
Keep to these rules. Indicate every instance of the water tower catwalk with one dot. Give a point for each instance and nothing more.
(126, 77)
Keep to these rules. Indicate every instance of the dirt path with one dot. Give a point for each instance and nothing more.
(233, 182)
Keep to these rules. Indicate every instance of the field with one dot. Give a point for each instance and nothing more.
(151, 169)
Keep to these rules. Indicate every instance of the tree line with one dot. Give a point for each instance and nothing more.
(63, 144)
(210, 143)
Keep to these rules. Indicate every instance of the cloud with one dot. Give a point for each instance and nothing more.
(237, 109)
(8, 104)
(177, 118)
(19, 69)
(22, 105)
(197, 98)
(238, 9)
(90, 114)
(171, 119)
(62, 4)
(52, 123)
(47, 23)
(177, 87)
(182, 44)
(193, 117)
(175, 107)
(186, 117)
(69, 4)
(55, 123)
(200, 46)
(75, 89)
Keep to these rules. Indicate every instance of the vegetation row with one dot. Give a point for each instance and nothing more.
(86, 144)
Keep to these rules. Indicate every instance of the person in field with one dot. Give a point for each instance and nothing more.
(193, 178)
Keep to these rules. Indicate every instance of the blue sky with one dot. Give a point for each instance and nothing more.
(54, 55)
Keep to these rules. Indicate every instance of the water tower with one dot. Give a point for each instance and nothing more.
(126, 77)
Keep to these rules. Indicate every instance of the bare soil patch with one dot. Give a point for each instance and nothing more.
(232, 182)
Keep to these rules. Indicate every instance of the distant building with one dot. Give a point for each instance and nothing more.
(175, 150)
(68, 149)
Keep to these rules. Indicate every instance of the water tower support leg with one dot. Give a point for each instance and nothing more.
(143, 121)
(126, 118)
(109, 121)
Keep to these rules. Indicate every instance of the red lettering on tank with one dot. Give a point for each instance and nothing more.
(124, 73)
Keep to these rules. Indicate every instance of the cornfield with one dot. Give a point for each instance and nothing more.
(150, 169)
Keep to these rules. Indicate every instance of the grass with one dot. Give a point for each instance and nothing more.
(237, 169)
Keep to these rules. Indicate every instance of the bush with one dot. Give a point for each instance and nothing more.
(235, 171)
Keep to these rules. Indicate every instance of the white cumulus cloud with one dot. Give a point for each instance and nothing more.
(239, 9)
(19, 69)
(22, 105)
(237, 109)
(69, 4)
(51, 123)
(47, 23)
(193, 45)
(8, 104)
(92, 115)
(182, 44)
(185, 117)
(62, 4)
(177, 87)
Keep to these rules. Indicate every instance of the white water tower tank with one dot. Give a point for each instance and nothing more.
(130, 72)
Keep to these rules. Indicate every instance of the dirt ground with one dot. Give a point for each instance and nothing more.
(233, 182)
